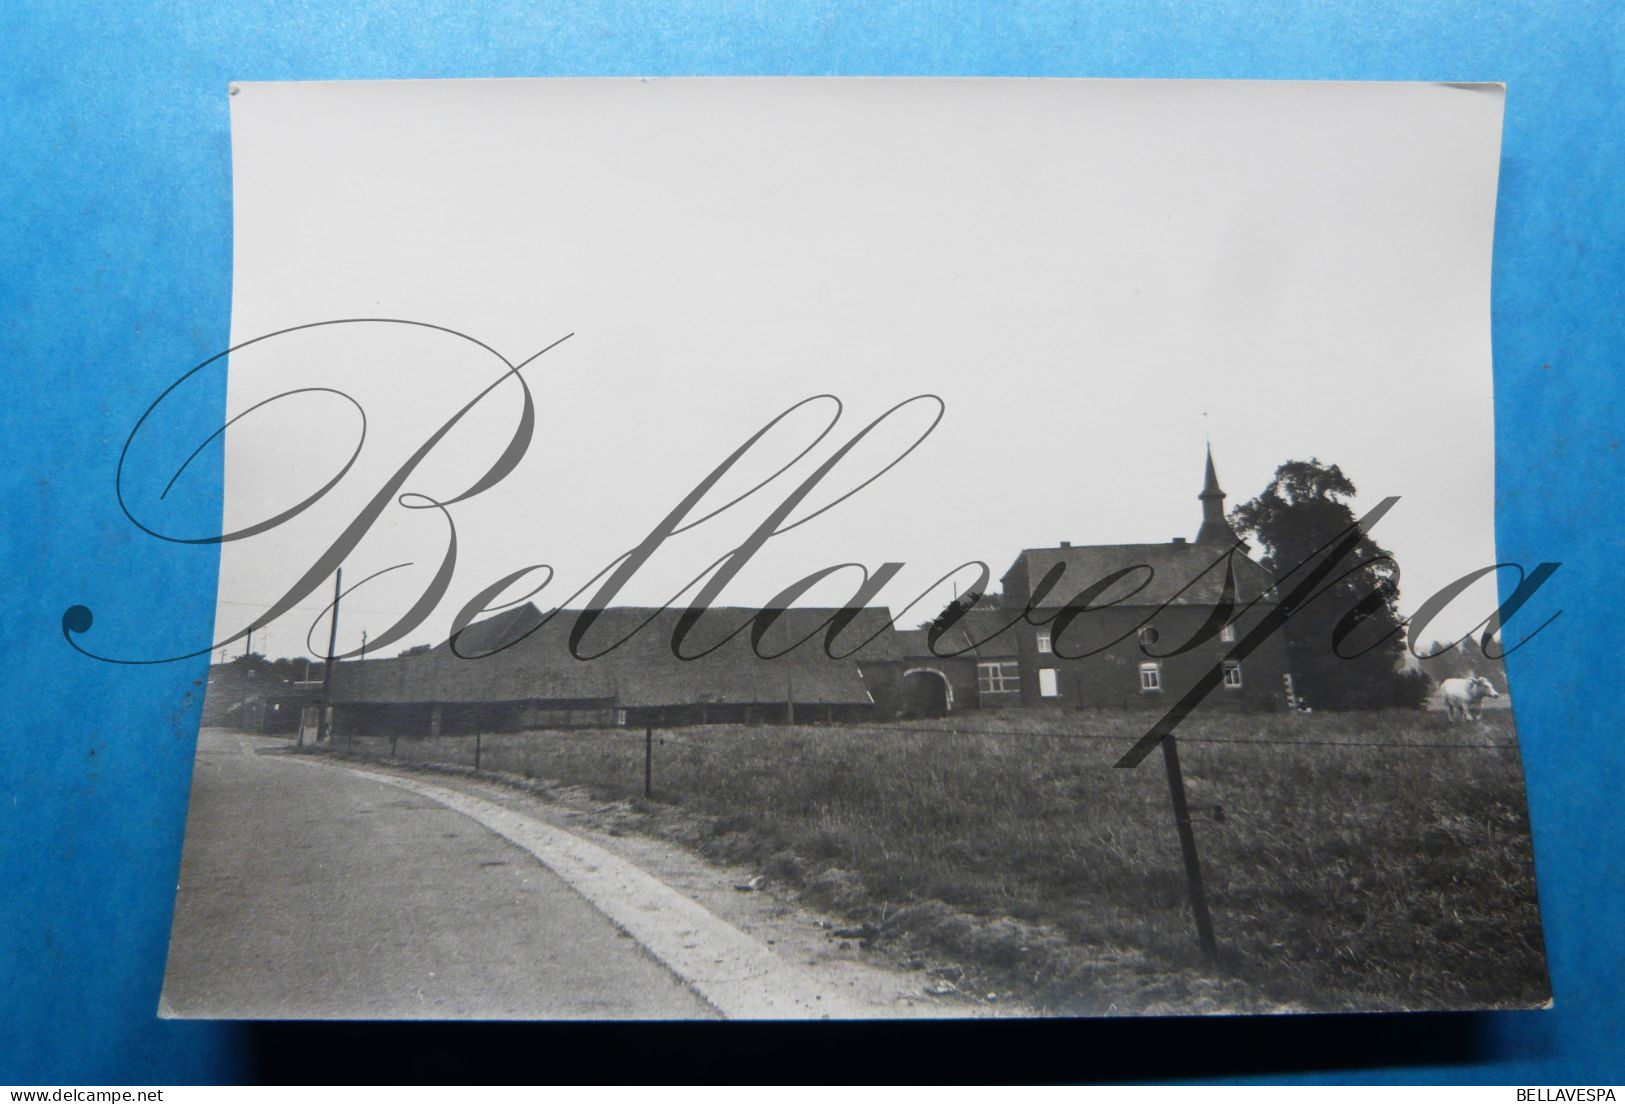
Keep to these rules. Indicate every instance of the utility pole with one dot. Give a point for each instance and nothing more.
(325, 729)
(363, 644)
(248, 644)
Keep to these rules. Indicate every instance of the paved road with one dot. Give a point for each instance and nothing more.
(311, 892)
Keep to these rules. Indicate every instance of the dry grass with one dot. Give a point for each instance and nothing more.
(1343, 873)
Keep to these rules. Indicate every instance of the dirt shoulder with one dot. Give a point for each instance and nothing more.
(1362, 861)
(884, 975)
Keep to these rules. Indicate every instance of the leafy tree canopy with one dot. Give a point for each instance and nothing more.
(1463, 659)
(295, 669)
(1296, 519)
(965, 601)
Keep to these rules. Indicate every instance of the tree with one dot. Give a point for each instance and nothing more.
(1304, 510)
(251, 663)
(1463, 659)
(968, 600)
(297, 668)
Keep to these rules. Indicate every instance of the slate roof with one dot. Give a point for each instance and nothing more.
(244, 679)
(975, 635)
(536, 664)
(1182, 574)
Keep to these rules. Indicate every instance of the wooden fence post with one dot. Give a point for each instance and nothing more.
(1187, 846)
(648, 760)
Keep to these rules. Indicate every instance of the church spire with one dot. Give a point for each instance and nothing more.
(1215, 529)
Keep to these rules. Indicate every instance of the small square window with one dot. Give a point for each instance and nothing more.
(1150, 678)
(1232, 675)
(998, 677)
(1228, 634)
(1043, 642)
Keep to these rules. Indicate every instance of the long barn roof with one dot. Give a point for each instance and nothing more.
(1177, 574)
(523, 657)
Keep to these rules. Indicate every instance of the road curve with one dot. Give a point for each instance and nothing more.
(317, 892)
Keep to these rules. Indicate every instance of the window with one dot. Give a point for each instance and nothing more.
(998, 676)
(1149, 636)
(1043, 642)
(1151, 678)
(1228, 634)
(1047, 685)
(1232, 675)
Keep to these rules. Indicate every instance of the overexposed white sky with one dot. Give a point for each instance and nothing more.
(1094, 276)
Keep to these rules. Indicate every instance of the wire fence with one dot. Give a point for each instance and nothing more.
(1029, 817)
(768, 747)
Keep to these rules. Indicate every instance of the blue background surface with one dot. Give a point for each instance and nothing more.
(115, 198)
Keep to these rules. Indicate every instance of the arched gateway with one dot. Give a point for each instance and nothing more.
(927, 692)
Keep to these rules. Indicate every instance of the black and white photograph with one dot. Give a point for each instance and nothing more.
(853, 549)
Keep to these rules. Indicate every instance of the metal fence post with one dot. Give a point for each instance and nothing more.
(648, 760)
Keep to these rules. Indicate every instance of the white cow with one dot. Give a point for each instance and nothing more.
(1464, 697)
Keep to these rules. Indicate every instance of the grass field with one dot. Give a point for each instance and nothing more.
(1355, 861)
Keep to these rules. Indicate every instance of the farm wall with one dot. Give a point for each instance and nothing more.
(1112, 666)
(1101, 661)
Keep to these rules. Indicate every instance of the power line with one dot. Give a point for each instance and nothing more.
(308, 609)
